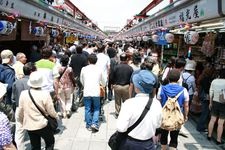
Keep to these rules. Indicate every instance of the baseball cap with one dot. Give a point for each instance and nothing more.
(6, 55)
(144, 81)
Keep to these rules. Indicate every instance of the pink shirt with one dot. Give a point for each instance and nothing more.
(65, 81)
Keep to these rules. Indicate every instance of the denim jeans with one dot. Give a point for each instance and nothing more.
(203, 120)
(92, 108)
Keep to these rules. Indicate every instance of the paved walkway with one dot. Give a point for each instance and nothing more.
(76, 137)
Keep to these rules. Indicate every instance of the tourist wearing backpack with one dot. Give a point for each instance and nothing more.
(171, 90)
(188, 79)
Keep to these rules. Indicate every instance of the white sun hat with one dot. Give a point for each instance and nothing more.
(35, 80)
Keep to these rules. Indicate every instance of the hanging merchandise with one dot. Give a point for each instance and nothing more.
(38, 31)
(155, 38)
(191, 37)
(54, 33)
(208, 44)
(6, 27)
(66, 34)
(169, 37)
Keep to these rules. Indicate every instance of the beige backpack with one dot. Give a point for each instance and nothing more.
(172, 117)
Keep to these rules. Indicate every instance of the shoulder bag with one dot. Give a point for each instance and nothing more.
(116, 139)
(52, 122)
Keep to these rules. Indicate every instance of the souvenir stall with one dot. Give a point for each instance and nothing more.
(187, 28)
(192, 26)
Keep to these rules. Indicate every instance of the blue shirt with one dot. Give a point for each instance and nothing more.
(172, 90)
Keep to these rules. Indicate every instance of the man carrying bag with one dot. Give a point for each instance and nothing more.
(137, 127)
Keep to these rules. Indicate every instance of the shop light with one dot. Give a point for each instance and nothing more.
(209, 25)
(212, 28)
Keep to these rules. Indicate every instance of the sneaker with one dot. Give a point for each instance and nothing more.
(60, 114)
(68, 114)
(57, 131)
(94, 128)
(116, 115)
(89, 128)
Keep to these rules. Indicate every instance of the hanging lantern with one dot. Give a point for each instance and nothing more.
(145, 38)
(169, 37)
(191, 37)
(59, 2)
(6, 27)
(54, 33)
(155, 38)
(138, 38)
(66, 34)
(38, 31)
(130, 39)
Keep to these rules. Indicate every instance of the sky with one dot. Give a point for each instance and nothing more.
(113, 13)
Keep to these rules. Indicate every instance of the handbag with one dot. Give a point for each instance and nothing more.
(52, 122)
(222, 96)
(117, 137)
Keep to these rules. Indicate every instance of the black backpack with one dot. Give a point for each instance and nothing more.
(184, 82)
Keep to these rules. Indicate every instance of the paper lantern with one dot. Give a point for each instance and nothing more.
(66, 34)
(169, 37)
(129, 39)
(38, 31)
(6, 27)
(138, 38)
(145, 38)
(191, 37)
(155, 38)
(54, 33)
(59, 2)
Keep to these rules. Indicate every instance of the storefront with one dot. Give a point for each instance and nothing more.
(197, 25)
(24, 23)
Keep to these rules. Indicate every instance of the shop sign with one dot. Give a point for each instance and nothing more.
(198, 11)
(39, 11)
(70, 39)
(162, 40)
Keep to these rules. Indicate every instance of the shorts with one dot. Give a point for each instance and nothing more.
(218, 110)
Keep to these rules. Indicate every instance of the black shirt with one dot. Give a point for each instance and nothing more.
(111, 52)
(121, 74)
(78, 61)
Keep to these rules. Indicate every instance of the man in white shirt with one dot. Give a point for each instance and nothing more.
(91, 77)
(103, 62)
(21, 59)
(140, 138)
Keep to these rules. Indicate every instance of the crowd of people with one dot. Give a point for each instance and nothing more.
(128, 73)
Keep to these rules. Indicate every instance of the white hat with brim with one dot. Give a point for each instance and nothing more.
(6, 55)
(190, 66)
(35, 80)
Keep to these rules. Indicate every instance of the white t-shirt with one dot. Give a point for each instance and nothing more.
(216, 88)
(91, 77)
(132, 109)
(103, 63)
